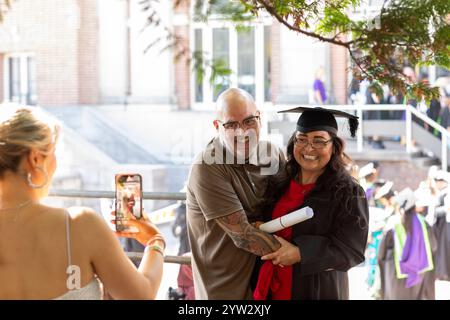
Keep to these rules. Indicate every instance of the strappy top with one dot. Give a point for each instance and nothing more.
(92, 290)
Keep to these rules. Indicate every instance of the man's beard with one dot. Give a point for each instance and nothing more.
(242, 147)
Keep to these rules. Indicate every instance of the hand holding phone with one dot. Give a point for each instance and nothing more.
(145, 230)
(128, 200)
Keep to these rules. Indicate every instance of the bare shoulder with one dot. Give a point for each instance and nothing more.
(85, 218)
(92, 230)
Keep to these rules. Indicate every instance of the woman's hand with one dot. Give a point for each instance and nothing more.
(286, 255)
(146, 229)
(256, 224)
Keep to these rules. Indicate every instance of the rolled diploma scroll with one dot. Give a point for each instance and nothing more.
(287, 220)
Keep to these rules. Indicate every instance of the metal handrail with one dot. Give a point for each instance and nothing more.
(445, 135)
(135, 256)
(111, 194)
(391, 107)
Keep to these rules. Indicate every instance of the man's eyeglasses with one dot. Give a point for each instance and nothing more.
(315, 144)
(250, 122)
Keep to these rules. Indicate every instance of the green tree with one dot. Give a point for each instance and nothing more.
(416, 32)
(413, 31)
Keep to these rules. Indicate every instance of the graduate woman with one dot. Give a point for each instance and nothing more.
(315, 254)
(406, 253)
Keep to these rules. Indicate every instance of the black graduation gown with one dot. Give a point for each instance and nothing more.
(441, 230)
(393, 288)
(330, 243)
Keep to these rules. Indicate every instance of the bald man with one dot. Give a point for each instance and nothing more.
(225, 189)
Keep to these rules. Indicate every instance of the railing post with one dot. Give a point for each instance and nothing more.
(360, 136)
(444, 152)
(408, 130)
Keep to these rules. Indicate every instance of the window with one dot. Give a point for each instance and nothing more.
(14, 80)
(245, 51)
(198, 80)
(267, 61)
(21, 79)
(221, 54)
(246, 60)
(218, 5)
(32, 90)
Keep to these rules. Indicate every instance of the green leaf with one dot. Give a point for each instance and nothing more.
(333, 20)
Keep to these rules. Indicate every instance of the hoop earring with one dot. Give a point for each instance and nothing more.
(35, 186)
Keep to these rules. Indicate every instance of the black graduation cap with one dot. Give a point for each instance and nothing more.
(316, 119)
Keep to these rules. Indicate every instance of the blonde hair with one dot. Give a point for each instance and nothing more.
(21, 130)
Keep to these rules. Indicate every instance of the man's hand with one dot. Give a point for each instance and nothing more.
(246, 236)
(256, 224)
(286, 255)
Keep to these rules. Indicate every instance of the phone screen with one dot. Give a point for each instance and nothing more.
(128, 199)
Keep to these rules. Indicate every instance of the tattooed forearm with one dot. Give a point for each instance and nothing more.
(247, 237)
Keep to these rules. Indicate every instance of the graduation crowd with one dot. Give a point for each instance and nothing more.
(408, 247)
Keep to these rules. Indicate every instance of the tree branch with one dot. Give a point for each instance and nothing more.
(357, 63)
(275, 14)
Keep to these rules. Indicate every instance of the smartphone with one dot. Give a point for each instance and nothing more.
(128, 199)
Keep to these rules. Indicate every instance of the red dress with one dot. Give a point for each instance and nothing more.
(273, 278)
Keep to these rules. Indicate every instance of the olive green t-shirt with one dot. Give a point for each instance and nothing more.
(220, 269)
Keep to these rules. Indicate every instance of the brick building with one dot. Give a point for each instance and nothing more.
(45, 51)
(89, 52)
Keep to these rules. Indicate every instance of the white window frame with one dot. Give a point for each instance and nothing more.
(23, 56)
(207, 45)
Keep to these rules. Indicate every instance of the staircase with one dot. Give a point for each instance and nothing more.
(424, 160)
(109, 139)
